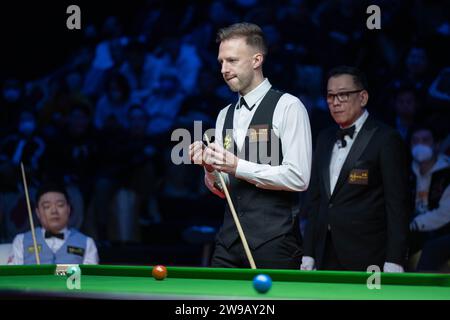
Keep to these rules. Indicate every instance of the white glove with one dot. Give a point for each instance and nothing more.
(392, 267)
(307, 263)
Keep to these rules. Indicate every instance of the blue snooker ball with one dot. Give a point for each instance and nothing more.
(262, 283)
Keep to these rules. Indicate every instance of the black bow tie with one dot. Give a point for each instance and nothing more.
(341, 133)
(49, 234)
(242, 103)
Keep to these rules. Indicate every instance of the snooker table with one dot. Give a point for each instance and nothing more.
(136, 282)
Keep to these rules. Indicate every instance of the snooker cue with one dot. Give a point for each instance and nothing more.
(36, 253)
(235, 217)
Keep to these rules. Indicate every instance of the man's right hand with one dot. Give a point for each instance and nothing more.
(307, 263)
(198, 156)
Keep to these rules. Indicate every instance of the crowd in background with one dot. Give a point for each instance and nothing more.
(102, 122)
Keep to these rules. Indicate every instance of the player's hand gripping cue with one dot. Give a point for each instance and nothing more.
(235, 217)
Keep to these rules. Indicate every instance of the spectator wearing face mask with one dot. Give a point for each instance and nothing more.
(431, 223)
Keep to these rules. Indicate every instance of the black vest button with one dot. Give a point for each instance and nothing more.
(330, 206)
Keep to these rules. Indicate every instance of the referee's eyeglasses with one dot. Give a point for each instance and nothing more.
(341, 96)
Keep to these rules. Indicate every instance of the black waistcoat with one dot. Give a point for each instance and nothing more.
(263, 214)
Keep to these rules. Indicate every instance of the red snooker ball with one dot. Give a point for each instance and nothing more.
(159, 272)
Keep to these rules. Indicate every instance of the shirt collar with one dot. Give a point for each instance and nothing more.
(257, 94)
(360, 122)
(64, 230)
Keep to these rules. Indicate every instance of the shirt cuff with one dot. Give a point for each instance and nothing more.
(392, 267)
(427, 222)
(244, 169)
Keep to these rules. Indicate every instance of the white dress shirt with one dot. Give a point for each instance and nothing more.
(16, 256)
(291, 124)
(339, 154)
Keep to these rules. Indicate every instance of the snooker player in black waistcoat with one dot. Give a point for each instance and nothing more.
(263, 147)
(359, 197)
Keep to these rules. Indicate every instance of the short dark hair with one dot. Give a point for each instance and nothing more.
(425, 126)
(359, 78)
(51, 187)
(253, 34)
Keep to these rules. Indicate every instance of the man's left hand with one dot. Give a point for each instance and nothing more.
(221, 159)
(392, 267)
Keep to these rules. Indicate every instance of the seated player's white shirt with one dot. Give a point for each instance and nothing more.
(16, 256)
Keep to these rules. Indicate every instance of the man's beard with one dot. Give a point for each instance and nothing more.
(235, 87)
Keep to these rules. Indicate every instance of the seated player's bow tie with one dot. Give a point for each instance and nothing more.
(49, 234)
(341, 133)
(242, 103)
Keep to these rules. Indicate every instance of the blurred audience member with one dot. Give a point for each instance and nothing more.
(164, 104)
(406, 104)
(112, 107)
(432, 200)
(11, 104)
(175, 54)
(24, 146)
(71, 157)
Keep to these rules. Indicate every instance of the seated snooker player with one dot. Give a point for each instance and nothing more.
(57, 244)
